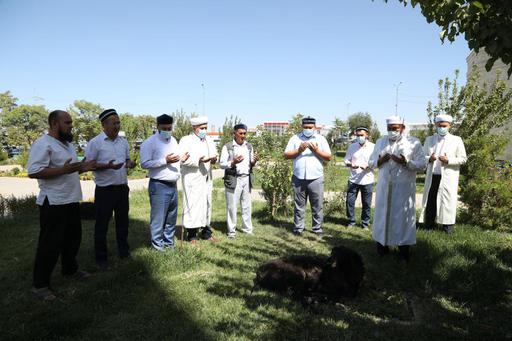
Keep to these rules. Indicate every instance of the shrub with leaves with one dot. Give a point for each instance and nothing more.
(478, 111)
(276, 186)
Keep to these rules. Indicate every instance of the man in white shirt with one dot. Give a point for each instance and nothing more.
(309, 151)
(196, 172)
(361, 177)
(53, 162)
(160, 155)
(445, 153)
(112, 155)
(237, 158)
(398, 158)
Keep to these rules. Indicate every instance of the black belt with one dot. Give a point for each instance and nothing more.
(165, 182)
(112, 186)
(241, 175)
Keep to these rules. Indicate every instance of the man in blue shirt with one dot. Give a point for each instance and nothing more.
(309, 150)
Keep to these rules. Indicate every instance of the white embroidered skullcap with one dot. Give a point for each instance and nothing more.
(394, 120)
(443, 118)
(195, 121)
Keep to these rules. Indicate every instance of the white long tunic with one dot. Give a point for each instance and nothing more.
(197, 181)
(447, 194)
(395, 204)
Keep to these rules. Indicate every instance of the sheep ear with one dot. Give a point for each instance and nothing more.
(333, 264)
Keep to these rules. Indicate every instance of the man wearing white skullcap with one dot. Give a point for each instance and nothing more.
(196, 176)
(398, 158)
(445, 153)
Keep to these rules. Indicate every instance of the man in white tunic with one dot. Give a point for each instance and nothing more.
(398, 158)
(309, 151)
(360, 178)
(112, 155)
(445, 153)
(237, 158)
(196, 175)
(53, 162)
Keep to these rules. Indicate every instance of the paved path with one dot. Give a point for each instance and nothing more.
(20, 187)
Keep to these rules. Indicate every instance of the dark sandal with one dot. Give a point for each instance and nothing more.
(44, 294)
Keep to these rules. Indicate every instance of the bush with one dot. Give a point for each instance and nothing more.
(3, 155)
(276, 185)
(335, 203)
(11, 207)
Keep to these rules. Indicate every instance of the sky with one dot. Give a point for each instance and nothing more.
(260, 60)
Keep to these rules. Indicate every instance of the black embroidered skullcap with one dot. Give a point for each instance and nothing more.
(164, 119)
(362, 128)
(240, 126)
(106, 113)
(308, 120)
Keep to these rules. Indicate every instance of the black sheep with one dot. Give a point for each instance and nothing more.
(339, 275)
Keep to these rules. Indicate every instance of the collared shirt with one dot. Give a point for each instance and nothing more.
(438, 150)
(48, 152)
(153, 152)
(308, 166)
(103, 150)
(358, 155)
(242, 168)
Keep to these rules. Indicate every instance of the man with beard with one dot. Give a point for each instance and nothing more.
(53, 162)
(112, 155)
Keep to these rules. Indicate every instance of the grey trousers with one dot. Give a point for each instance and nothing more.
(242, 194)
(314, 189)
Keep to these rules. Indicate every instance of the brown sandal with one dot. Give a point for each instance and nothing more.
(44, 294)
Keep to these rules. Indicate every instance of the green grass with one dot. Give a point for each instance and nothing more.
(455, 287)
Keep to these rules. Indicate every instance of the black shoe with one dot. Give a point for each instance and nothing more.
(297, 233)
(404, 253)
(448, 229)
(103, 266)
(382, 250)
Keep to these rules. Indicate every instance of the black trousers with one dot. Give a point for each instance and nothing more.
(431, 209)
(60, 234)
(107, 200)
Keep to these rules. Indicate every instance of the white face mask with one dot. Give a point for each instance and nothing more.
(165, 134)
(201, 133)
(393, 134)
(361, 139)
(307, 132)
(442, 131)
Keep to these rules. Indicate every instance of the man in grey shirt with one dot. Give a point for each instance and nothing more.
(53, 162)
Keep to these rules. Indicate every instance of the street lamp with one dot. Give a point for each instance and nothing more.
(396, 99)
(204, 112)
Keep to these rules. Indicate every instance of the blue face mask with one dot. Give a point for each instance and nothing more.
(361, 139)
(393, 134)
(165, 134)
(442, 131)
(201, 134)
(308, 132)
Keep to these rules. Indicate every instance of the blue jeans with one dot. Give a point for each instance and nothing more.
(366, 198)
(163, 198)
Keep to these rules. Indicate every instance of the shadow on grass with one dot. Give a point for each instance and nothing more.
(130, 302)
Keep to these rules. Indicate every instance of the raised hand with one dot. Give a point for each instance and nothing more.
(432, 158)
(172, 158)
(112, 165)
(444, 158)
(185, 157)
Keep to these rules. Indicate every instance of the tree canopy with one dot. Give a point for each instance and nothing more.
(486, 24)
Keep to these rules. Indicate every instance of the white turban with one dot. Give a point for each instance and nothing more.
(443, 118)
(394, 120)
(195, 121)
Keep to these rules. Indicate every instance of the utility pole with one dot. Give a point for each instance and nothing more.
(396, 98)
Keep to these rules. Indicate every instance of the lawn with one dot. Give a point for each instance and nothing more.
(455, 287)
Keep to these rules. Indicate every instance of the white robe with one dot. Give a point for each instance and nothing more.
(448, 188)
(395, 205)
(197, 181)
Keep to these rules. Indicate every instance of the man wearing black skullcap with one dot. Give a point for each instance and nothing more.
(309, 151)
(112, 155)
(159, 154)
(237, 158)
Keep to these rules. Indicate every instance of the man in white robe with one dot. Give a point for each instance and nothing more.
(196, 177)
(444, 153)
(398, 158)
